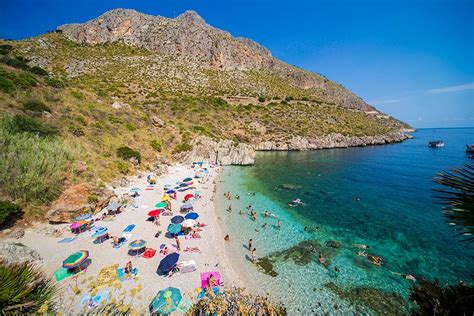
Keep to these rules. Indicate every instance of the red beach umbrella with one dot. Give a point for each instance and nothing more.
(154, 213)
(188, 196)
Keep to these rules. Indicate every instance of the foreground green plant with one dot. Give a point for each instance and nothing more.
(31, 167)
(433, 299)
(457, 196)
(25, 290)
(8, 210)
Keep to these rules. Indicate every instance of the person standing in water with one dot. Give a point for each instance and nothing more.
(279, 224)
(250, 244)
(254, 255)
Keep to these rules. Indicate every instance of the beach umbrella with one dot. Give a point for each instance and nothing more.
(76, 259)
(188, 196)
(168, 262)
(186, 206)
(188, 223)
(154, 213)
(182, 185)
(100, 232)
(174, 228)
(77, 224)
(170, 191)
(83, 217)
(177, 219)
(166, 301)
(192, 216)
(165, 198)
(113, 206)
(187, 179)
(161, 205)
(134, 189)
(137, 244)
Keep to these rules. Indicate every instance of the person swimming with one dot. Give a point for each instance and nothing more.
(361, 246)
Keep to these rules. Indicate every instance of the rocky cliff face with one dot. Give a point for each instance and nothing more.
(224, 152)
(190, 39)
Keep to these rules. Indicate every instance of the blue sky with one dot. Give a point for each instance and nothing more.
(412, 59)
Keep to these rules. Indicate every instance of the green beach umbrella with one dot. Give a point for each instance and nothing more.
(166, 301)
(76, 259)
(174, 228)
(161, 205)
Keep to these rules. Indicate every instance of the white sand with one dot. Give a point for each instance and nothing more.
(148, 283)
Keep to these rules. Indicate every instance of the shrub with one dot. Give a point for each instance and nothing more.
(261, 98)
(131, 127)
(77, 94)
(92, 199)
(39, 71)
(126, 153)
(24, 124)
(287, 99)
(36, 106)
(5, 49)
(25, 290)
(55, 82)
(6, 85)
(31, 167)
(156, 145)
(122, 167)
(7, 210)
(16, 62)
(76, 130)
(25, 80)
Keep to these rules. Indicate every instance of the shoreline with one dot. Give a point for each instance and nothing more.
(137, 293)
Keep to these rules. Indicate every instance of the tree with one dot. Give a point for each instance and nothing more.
(457, 196)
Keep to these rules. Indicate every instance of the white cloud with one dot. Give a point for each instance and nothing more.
(462, 87)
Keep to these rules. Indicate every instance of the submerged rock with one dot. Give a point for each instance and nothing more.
(381, 302)
(290, 186)
(266, 265)
(333, 244)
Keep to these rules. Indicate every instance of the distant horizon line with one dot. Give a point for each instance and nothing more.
(462, 127)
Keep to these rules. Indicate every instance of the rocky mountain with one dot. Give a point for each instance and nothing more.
(190, 39)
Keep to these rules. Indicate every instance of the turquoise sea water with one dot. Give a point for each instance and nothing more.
(379, 196)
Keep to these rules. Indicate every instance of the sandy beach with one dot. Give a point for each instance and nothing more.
(139, 291)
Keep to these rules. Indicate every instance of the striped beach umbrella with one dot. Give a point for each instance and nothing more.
(166, 301)
(76, 259)
(77, 224)
(137, 244)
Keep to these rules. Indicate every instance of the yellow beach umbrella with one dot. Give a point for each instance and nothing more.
(166, 197)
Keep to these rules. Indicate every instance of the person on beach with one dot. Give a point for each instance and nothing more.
(250, 244)
(178, 244)
(128, 268)
(227, 238)
(115, 240)
(156, 220)
(254, 255)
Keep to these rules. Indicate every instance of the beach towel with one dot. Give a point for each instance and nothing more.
(123, 277)
(149, 189)
(149, 253)
(129, 228)
(62, 273)
(93, 301)
(67, 240)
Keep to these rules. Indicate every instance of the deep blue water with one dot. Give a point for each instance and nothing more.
(380, 196)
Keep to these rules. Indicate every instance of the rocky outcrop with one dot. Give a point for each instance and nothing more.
(330, 141)
(15, 253)
(76, 200)
(224, 152)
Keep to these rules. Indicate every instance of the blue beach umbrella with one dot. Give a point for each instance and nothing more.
(191, 216)
(177, 219)
(187, 179)
(168, 263)
(170, 191)
(174, 228)
(182, 185)
(166, 301)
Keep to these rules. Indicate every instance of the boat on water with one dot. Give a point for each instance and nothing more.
(470, 148)
(436, 144)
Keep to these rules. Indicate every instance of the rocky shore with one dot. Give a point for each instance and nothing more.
(226, 152)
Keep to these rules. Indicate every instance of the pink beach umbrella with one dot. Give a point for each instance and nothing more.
(206, 275)
(77, 224)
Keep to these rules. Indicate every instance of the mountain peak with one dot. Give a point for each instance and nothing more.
(191, 16)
